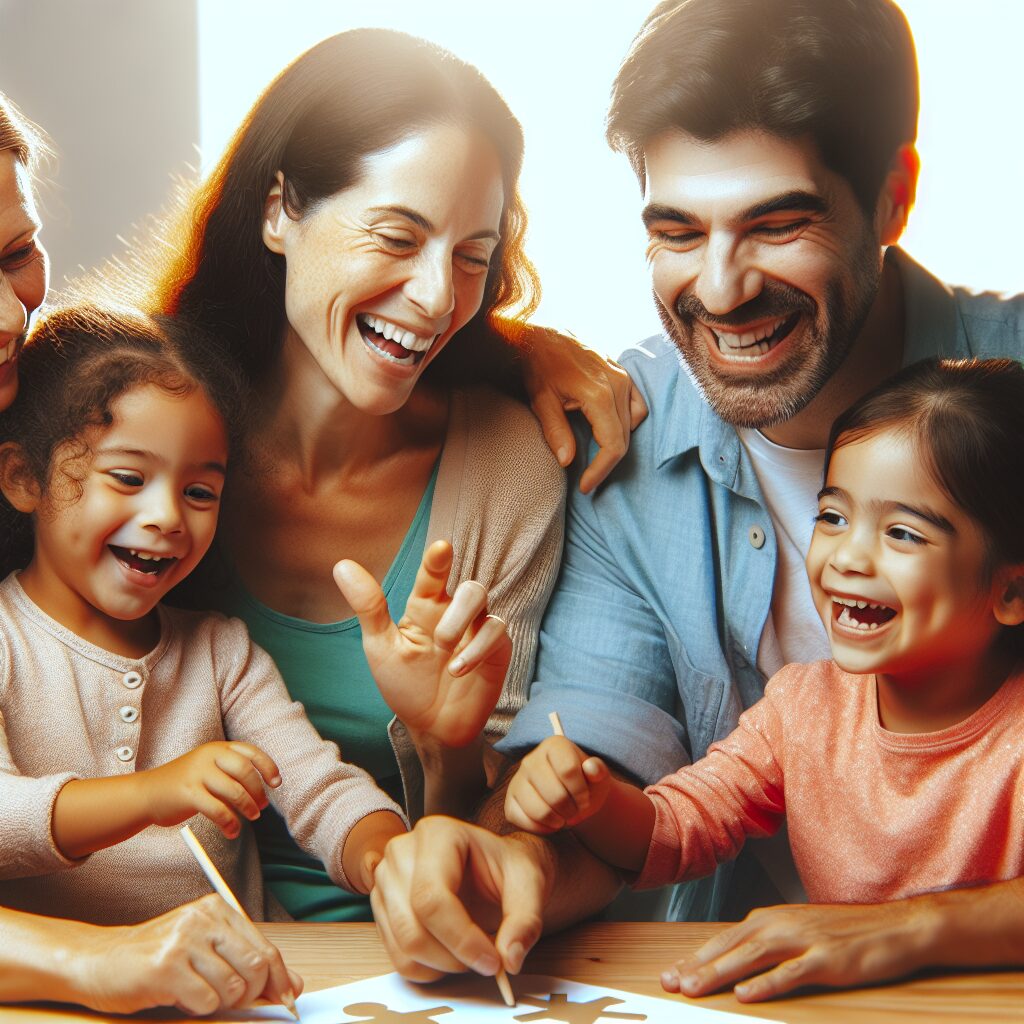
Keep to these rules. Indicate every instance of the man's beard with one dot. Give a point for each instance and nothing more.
(766, 398)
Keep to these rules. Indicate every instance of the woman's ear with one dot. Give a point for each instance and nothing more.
(898, 193)
(18, 484)
(275, 216)
(1008, 595)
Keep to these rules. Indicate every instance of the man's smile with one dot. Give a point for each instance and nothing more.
(752, 342)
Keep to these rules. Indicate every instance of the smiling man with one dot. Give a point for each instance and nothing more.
(774, 143)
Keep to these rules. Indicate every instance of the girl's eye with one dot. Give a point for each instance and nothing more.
(126, 477)
(905, 534)
(830, 517)
(199, 492)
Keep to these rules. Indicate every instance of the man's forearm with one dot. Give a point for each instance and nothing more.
(974, 927)
(580, 883)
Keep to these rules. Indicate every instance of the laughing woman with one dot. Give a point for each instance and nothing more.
(352, 253)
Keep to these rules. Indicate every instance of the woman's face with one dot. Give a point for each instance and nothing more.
(23, 267)
(383, 273)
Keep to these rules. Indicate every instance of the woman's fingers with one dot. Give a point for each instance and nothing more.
(490, 644)
(365, 598)
(468, 602)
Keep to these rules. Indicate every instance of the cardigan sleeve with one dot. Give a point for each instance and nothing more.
(321, 797)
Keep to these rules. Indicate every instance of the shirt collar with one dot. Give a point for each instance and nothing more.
(930, 316)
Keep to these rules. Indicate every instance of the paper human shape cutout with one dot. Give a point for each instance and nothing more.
(558, 1008)
(380, 1014)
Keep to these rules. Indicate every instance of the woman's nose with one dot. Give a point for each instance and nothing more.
(430, 286)
(13, 315)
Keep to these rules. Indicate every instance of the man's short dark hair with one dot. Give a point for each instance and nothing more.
(840, 72)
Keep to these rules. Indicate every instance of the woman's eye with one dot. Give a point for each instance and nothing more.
(126, 477)
(395, 242)
(473, 262)
(19, 257)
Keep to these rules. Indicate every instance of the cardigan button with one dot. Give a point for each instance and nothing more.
(132, 680)
(124, 753)
(128, 713)
(756, 536)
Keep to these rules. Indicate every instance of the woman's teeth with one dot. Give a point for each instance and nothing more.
(392, 332)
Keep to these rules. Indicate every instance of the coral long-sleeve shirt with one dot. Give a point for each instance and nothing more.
(873, 815)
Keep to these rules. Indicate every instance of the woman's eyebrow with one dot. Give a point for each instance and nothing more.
(422, 222)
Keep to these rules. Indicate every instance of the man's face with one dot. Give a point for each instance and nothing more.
(764, 267)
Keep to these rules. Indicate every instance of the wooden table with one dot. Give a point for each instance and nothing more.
(629, 956)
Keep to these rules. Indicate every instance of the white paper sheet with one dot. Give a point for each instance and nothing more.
(389, 999)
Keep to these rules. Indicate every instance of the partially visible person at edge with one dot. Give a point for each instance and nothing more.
(774, 144)
(351, 253)
(199, 957)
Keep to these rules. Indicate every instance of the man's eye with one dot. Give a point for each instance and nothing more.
(780, 230)
(126, 477)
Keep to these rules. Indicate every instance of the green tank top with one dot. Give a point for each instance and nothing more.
(324, 667)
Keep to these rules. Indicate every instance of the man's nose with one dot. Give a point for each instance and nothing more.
(727, 279)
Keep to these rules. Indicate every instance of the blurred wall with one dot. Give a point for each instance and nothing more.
(115, 85)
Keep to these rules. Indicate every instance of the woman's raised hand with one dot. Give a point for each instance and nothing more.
(441, 668)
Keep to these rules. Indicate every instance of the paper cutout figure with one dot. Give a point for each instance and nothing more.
(380, 1014)
(558, 1008)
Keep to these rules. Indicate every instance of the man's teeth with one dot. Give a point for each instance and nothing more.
(7, 352)
(392, 332)
(750, 343)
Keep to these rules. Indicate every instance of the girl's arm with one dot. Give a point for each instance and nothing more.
(559, 786)
(364, 847)
(219, 780)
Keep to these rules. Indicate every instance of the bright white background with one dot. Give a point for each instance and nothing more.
(554, 61)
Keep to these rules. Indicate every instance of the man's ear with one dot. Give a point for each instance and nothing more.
(275, 216)
(897, 196)
(1008, 595)
(17, 482)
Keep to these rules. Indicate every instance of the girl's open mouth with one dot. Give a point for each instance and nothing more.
(140, 561)
(864, 616)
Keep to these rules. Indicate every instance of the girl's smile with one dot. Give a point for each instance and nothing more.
(124, 522)
(900, 574)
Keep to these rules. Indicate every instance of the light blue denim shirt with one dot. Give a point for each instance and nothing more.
(648, 649)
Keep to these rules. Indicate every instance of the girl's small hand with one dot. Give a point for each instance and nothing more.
(557, 786)
(441, 668)
(219, 780)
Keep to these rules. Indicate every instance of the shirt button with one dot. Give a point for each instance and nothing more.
(132, 680)
(128, 713)
(124, 753)
(756, 536)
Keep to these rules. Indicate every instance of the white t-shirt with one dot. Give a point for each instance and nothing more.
(790, 479)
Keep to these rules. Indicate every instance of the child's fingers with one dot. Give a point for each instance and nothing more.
(468, 602)
(490, 644)
(226, 788)
(595, 770)
(520, 819)
(566, 761)
(239, 776)
(544, 802)
(210, 806)
(263, 762)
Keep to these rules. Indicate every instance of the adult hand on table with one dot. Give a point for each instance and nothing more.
(441, 668)
(200, 957)
(562, 374)
(444, 887)
(790, 947)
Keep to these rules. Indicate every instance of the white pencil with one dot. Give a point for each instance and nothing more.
(556, 724)
(216, 879)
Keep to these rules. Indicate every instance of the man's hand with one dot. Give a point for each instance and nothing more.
(443, 888)
(778, 949)
(442, 667)
(561, 374)
(199, 958)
